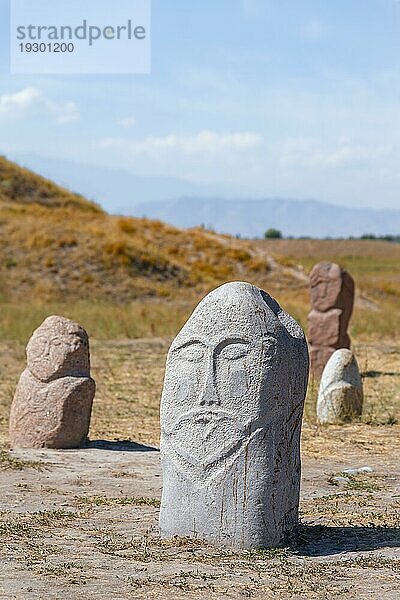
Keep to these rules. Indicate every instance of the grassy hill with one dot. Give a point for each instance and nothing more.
(57, 244)
(129, 277)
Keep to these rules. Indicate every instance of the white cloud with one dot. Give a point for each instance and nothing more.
(19, 102)
(205, 142)
(127, 122)
(30, 101)
(317, 153)
(67, 112)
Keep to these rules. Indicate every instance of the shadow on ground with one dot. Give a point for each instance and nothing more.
(375, 374)
(320, 540)
(119, 446)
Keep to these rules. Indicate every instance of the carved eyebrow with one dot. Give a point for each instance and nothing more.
(229, 342)
(188, 343)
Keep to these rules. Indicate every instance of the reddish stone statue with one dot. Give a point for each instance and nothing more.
(53, 401)
(332, 300)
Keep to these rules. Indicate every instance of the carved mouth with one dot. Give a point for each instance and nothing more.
(207, 416)
(200, 416)
(203, 439)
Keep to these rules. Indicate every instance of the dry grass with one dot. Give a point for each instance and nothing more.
(103, 320)
(129, 377)
(16, 464)
(68, 257)
(55, 245)
(375, 266)
(67, 254)
(19, 185)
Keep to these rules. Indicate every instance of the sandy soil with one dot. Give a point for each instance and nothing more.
(76, 524)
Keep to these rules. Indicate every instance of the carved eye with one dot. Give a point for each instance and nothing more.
(234, 351)
(191, 353)
(40, 346)
(183, 391)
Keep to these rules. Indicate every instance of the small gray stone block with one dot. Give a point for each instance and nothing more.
(358, 471)
(338, 479)
(340, 397)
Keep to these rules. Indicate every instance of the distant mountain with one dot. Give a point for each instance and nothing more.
(251, 218)
(117, 190)
(186, 204)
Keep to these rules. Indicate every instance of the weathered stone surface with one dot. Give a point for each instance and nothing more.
(340, 398)
(327, 326)
(326, 286)
(331, 287)
(319, 356)
(59, 347)
(53, 401)
(332, 298)
(231, 415)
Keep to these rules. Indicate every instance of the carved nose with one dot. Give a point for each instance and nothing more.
(209, 395)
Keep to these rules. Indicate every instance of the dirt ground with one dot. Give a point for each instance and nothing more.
(76, 524)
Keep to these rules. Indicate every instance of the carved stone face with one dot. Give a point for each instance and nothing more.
(217, 369)
(59, 347)
(326, 285)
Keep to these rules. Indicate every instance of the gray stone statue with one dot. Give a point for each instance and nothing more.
(231, 415)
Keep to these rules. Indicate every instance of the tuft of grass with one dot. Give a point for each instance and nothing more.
(52, 518)
(16, 464)
(265, 554)
(29, 525)
(16, 529)
(61, 571)
(117, 501)
(359, 483)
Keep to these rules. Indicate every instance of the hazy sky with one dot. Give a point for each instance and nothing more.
(295, 98)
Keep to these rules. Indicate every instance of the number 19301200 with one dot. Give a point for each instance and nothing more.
(50, 47)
